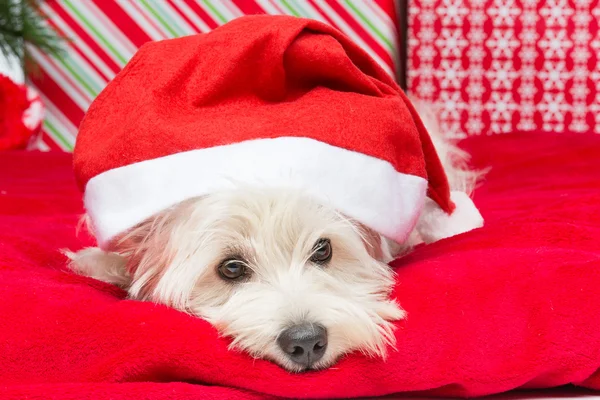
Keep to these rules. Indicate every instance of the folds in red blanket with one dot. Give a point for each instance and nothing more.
(514, 304)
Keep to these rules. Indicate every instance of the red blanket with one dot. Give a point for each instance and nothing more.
(514, 304)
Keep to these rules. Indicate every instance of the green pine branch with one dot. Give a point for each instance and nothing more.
(22, 25)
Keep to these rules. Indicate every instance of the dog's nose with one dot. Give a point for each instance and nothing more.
(304, 344)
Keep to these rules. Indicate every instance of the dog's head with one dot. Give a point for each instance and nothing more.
(285, 277)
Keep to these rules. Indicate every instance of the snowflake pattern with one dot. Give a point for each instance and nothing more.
(504, 12)
(502, 43)
(450, 74)
(554, 75)
(556, 12)
(496, 66)
(501, 74)
(451, 43)
(555, 43)
(452, 11)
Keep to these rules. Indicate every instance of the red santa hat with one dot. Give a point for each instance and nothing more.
(264, 100)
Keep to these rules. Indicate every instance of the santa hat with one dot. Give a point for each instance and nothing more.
(263, 100)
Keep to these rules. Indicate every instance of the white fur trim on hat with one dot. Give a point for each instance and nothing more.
(435, 224)
(365, 188)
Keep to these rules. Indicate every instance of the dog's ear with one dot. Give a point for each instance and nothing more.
(102, 265)
(146, 249)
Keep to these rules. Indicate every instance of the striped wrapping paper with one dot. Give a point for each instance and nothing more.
(104, 34)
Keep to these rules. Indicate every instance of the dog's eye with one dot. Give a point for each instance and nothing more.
(232, 269)
(322, 252)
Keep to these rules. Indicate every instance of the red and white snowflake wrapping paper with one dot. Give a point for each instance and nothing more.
(499, 66)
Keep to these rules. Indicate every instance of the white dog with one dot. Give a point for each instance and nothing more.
(287, 278)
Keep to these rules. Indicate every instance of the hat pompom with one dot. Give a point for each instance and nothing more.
(435, 224)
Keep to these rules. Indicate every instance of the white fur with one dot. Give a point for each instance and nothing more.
(101, 265)
(455, 161)
(173, 260)
(173, 257)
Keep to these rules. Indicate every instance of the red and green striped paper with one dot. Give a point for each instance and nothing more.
(104, 35)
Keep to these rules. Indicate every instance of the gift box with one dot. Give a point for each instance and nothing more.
(499, 66)
(485, 66)
(104, 34)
